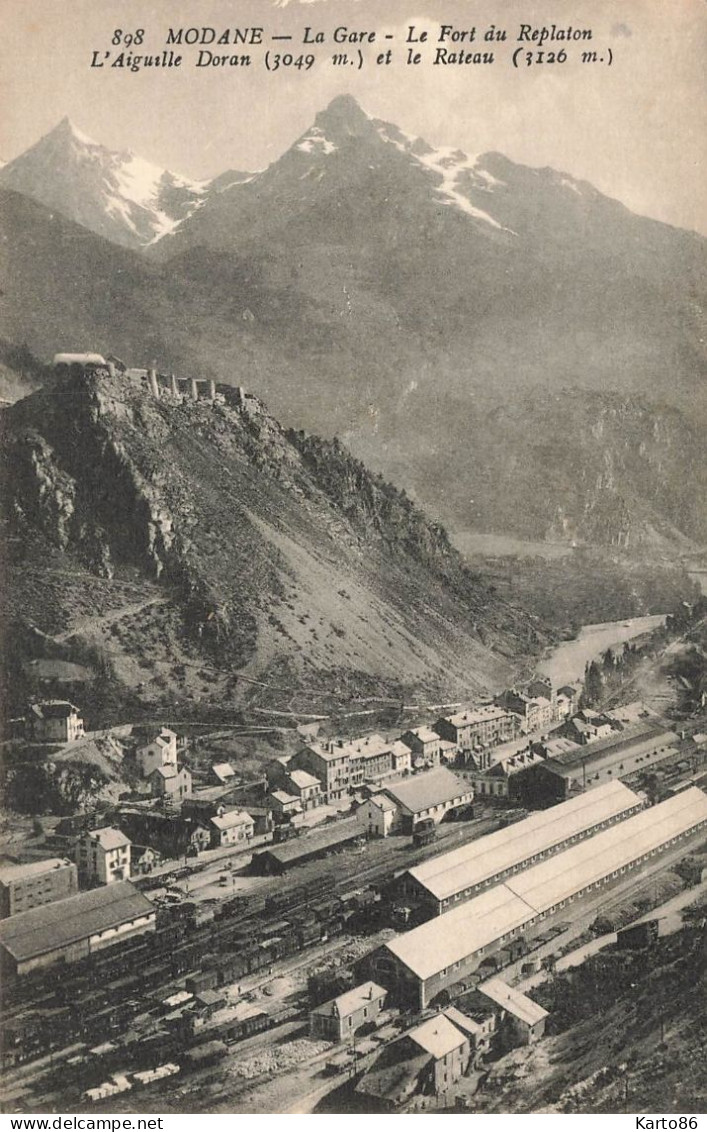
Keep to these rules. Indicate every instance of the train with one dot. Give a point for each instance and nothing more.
(97, 998)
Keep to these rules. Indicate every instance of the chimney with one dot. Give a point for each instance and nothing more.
(212, 390)
(154, 387)
(194, 390)
(173, 383)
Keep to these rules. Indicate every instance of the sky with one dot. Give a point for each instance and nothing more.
(636, 129)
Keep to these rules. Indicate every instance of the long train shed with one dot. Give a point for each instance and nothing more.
(444, 881)
(417, 966)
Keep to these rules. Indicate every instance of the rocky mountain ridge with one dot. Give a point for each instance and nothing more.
(252, 557)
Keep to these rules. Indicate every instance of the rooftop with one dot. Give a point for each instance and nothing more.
(383, 803)
(302, 779)
(464, 930)
(367, 747)
(428, 789)
(475, 862)
(424, 734)
(54, 709)
(51, 926)
(351, 1001)
(223, 770)
(231, 819)
(109, 838)
(9, 874)
(438, 1036)
(629, 744)
(476, 715)
(513, 1001)
(317, 840)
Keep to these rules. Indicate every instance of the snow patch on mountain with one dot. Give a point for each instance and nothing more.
(448, 163)
(316, 141)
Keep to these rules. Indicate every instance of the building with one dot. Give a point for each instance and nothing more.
(432, 794)
(71, 929)
(402, 757)
(340, 1018)
(103, 856)
(450, 878)
(285, 807)
(223, 774)
(143, 859)
(534, 712)
(425, 1061)
(479, 1029)
(27, 886)
(429, 747)
(328, 762)
(370, 759)
(234, 827)
(583, 767)
(417, 966)
(171, 781)
(54, 721)
(377, 815)
(567, 698)
(476, 728)
(306, 788)
(520, 1020)
(279, 859)
(155, 748)
(587, 726)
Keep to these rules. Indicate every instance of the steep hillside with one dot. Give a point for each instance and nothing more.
(157, 535)
(601, 469)
(629, 1036)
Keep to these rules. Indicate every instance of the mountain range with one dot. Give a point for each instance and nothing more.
(521, 352)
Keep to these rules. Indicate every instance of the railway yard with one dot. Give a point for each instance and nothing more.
(118, 1024)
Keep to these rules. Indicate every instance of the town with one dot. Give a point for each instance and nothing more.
(370, 913)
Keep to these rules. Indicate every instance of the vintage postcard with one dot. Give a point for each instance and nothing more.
(354, 559)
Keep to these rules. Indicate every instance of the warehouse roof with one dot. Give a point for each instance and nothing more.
(56, 925)
(457, 934)
(554, 880)
(438, 1036)
(634, 736)
(622, 757)
(475, 862)
(315, 842)
(460, 933)
(513, 1001)
(429, 789)
(10, 874)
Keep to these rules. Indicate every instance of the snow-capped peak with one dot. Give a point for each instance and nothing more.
(119, 195)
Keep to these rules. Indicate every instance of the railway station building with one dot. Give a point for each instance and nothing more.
(451, 878)
(71, 929)
(418, 965)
